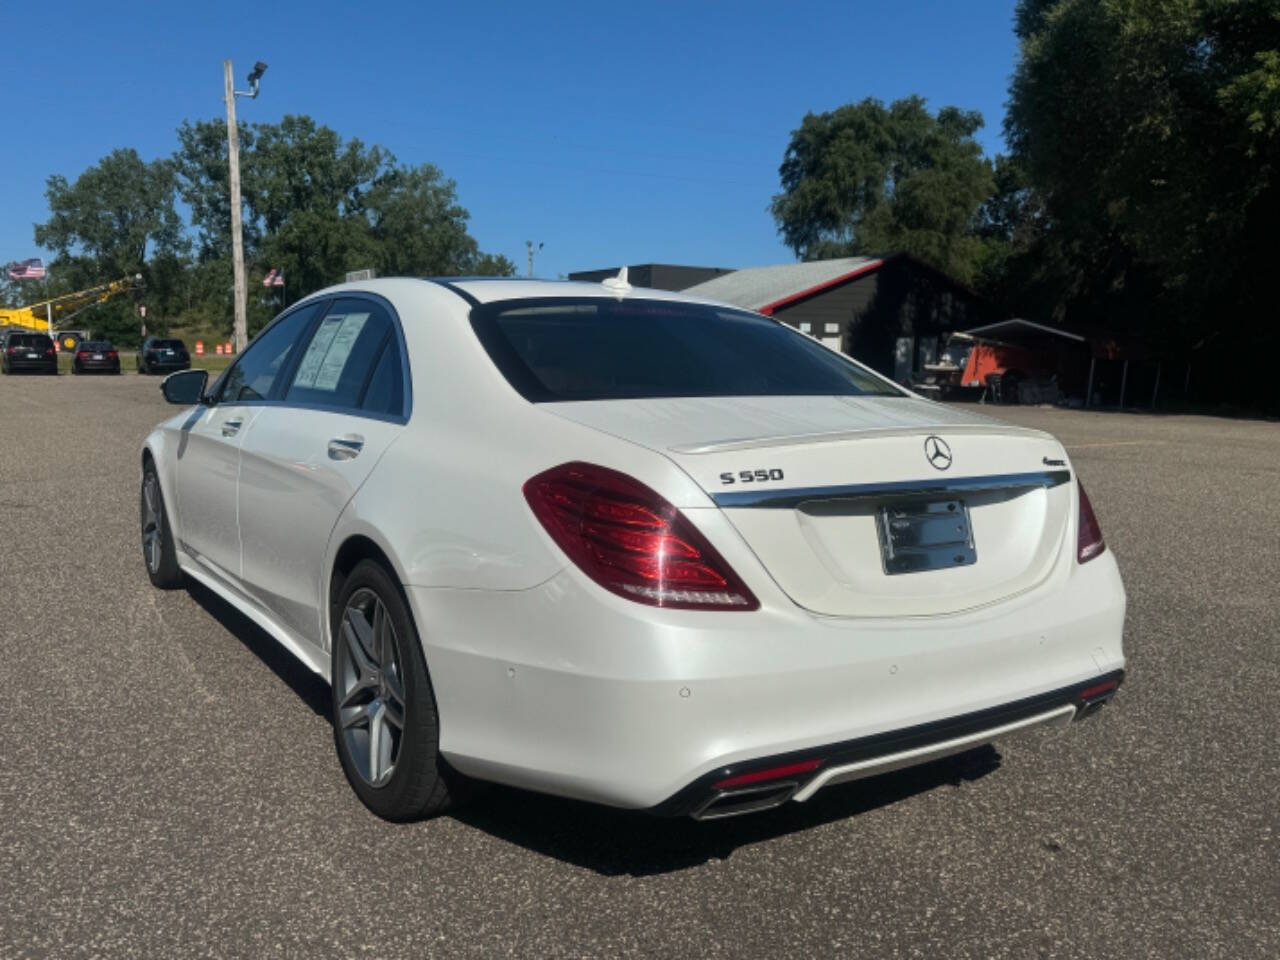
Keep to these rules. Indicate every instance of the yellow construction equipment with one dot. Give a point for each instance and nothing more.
(52, 315)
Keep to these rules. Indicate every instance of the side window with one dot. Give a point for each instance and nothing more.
(343, 352)
(385, 393)
(254, 374)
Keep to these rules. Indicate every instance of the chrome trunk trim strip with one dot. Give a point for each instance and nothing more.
(939, 487)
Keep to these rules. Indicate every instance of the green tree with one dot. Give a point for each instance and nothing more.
(419, 229)
(200, 166)
(117, 212)
(866, 178)
(1020, 269)
(118, 218)
(316, 206)
(1149, 132)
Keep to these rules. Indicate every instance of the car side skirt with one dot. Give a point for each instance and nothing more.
(311, 656)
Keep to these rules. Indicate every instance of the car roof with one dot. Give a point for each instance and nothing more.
(492, 289)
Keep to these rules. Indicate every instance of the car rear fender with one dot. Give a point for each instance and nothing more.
(161, 447)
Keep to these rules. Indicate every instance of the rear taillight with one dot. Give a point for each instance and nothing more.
(631, 541)
(1089, 539)
(112, 355)
(49, 352)
(81, 355)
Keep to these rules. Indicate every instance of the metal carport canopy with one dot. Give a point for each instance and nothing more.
(1015, 326)
(1027, 330)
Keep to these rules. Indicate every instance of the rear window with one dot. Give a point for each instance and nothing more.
(167, 345)
(96, 345)
(30, 340)
(596, 349)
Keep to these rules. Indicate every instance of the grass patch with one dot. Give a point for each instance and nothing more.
(214, 363)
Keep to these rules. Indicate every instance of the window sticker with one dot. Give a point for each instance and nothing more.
(322, 364)
(319, 346)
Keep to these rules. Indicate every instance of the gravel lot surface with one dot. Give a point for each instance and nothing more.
(168, 785)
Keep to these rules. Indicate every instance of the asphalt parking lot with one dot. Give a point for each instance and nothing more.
(168, 785)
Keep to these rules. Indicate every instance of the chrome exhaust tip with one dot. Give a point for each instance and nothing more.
(733, 803)
(1091, 706)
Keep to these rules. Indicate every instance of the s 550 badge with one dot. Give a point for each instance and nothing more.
(751, 476)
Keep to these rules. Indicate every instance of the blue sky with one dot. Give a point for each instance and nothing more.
(650, 132)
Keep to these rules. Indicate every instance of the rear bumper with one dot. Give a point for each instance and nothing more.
(568, 690)
(24, 366)
(769, 781)
(99, 366)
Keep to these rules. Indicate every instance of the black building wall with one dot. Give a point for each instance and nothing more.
(903, 299)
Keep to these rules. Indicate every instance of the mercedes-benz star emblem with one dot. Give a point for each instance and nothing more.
(937, 452)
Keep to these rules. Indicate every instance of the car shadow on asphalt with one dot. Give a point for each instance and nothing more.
(617, 842)
(310, 688)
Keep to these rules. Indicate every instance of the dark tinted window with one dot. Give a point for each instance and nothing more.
(98, 346)
(338, 361)
(593, 349)
(385, 393)
(254, 374)
(38, 340)
(168, 345)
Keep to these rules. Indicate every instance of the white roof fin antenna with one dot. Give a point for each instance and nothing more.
(618, 284)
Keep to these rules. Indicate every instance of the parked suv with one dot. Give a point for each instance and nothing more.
(163, 355)
(28, 351)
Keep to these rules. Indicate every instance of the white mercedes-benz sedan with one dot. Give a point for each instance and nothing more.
(626, 546)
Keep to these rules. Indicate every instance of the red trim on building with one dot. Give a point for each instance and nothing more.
(865, 268)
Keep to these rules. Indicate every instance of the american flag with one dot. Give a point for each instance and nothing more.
(274, 278)
(27, 270)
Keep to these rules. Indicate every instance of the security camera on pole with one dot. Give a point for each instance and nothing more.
(233, 159)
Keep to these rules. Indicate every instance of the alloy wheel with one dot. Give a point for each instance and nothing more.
(152, 527)
(370, 684)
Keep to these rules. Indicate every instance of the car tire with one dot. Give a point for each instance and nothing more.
(399, 776)
(158, 552)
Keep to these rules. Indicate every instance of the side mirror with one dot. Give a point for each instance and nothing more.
(186, 387)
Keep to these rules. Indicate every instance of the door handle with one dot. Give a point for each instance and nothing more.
(231, 427)
(346, 448)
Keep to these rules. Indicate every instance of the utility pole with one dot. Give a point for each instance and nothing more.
(241, 335)
(530, 247)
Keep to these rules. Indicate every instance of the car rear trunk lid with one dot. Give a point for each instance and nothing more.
(866, 506)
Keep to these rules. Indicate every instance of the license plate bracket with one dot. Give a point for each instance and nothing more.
(917, 536)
